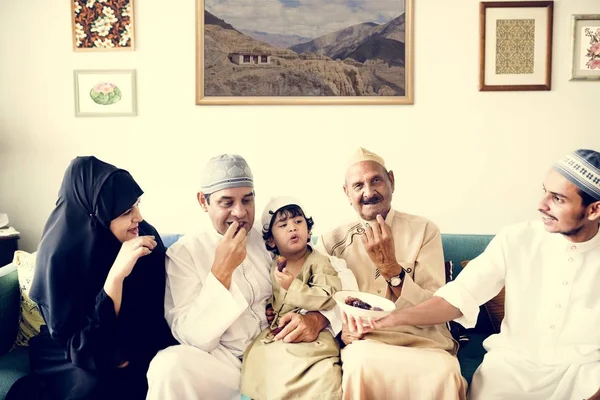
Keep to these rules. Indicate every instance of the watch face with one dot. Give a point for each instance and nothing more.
(395, 281)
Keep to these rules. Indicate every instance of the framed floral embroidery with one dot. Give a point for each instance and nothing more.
(102, 25)
(586, 47)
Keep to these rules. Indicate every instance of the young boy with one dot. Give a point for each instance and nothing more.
(303, 279)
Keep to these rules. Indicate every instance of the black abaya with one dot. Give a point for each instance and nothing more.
(77, 354)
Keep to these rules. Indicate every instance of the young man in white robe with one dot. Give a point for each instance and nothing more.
(218, 285)
(548, 347)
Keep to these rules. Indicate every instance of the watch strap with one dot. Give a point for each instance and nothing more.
(401, 276)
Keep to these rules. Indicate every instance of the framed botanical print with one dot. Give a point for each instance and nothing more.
(105, 93)
(585, 64)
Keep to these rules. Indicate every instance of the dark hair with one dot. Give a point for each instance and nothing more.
(290, 211)
(586, 199)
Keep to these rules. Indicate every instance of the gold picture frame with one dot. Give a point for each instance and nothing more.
(234, 68)
(102, 26)
(515, 45)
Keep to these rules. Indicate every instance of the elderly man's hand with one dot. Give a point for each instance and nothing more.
(301, 328)
(596, 396)
(379, 244)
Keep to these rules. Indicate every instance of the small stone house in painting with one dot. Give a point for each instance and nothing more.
(250, 58)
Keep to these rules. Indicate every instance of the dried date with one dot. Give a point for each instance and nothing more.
(358, 303)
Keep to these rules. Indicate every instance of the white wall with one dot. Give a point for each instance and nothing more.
(471, 161)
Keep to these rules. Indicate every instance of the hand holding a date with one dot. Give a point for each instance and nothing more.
(230, 253)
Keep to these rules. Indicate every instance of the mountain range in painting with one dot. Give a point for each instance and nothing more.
(366, 59)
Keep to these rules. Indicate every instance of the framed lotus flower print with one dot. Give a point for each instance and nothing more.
(104, 93)
(100, 25)
(304, 52)
(586, 47)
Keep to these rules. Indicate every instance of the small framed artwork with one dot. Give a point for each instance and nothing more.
(515, 48)
(304, 52)
(104, 93)
(100, 25)
(586, 47)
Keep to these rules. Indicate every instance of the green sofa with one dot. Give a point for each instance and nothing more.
(15, 363)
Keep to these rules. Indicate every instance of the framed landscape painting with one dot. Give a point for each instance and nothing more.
(586, 48)
(304, 52)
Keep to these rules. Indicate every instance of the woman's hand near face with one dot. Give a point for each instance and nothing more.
(130, 252)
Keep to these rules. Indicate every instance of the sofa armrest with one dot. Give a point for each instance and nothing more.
(9, 307)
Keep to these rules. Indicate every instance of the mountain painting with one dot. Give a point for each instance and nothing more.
(304, 51)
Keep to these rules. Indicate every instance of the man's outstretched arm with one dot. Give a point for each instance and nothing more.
(431, 312)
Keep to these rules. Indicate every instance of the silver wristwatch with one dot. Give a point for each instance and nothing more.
(396, 281)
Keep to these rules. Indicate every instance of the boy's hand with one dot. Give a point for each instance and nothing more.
(284, 278)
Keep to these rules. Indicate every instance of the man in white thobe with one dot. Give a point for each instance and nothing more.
(218, 286)
(548, 347)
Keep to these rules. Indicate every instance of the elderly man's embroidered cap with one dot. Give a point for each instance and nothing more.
(363, 154)
(225, 171)
(582, 167)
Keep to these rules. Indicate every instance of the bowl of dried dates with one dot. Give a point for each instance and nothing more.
(363, 305)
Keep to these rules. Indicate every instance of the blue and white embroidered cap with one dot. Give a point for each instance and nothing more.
(582, 168)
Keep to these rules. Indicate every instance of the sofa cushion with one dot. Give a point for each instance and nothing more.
(9, 307)
(170, 238)
(494, 307)
(30, 318)
(471, 355)
(459, 247)
(13, 366)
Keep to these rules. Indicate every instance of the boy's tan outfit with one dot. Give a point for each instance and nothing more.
(277, 370)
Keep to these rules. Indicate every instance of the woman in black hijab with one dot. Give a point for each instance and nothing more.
(99, 283)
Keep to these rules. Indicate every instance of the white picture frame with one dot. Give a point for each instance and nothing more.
(585, 47)
(105, 93)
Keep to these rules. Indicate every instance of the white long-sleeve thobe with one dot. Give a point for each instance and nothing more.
(215, 325)
(200, 310)
(549, 342)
